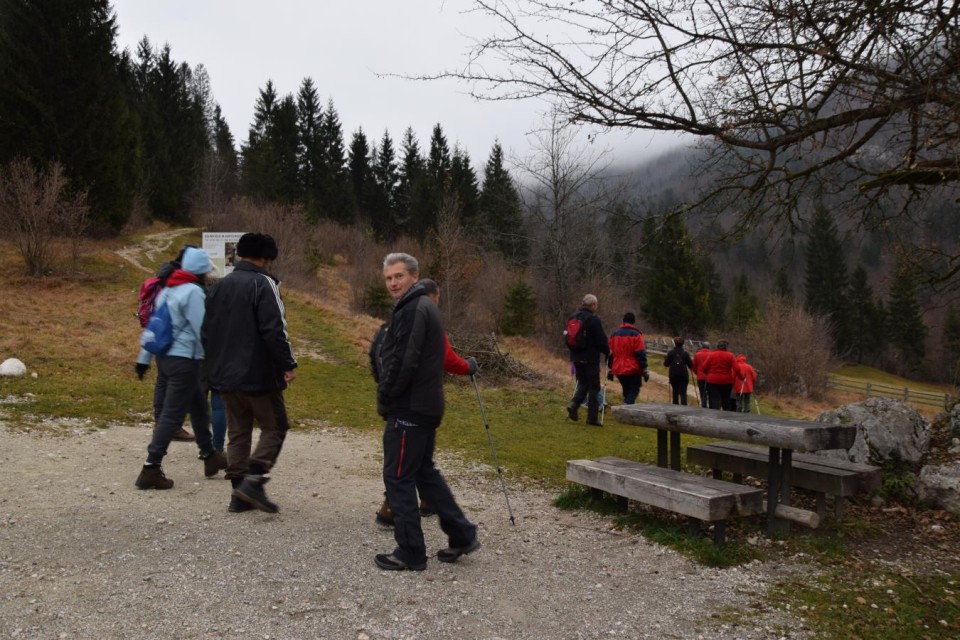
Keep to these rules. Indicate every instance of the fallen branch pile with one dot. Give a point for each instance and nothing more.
(494, 364)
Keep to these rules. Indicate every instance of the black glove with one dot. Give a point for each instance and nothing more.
(646, 376)
(141, 369)
(472, 365)
(609, 375)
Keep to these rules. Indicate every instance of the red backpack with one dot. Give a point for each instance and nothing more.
(575, 333)
(150, 289)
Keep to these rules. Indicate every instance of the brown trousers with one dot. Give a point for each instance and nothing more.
(270, 413)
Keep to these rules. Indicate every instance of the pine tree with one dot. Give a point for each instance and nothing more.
(463, 182)
(905, 327)
(258, 170)
(382, 205)
(951, 346)
(826, 278)
(501, 209)
(62, 98)
(284, 138)
(360, 176)
(672, 287)
(336, 190)
(411, 169)
(519, 310)
(310, 152)
(866, 320)
(744, 306)
(781, 284)
(226, 154)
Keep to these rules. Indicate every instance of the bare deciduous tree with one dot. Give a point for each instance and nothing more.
(36, 207)
(792, 97)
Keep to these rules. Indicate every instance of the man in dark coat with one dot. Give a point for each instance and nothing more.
(250, 362)
(410, 399)
(586, 361)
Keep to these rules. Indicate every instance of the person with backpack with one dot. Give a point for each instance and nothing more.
(178, 369)
(720, 371)
(586, 340)
(743, 386)
(452, 363)
(699, 360)
(146, 305)
(678, 362)
(628, 358)
(250, 362)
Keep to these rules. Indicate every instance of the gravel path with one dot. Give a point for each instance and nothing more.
(83, 554)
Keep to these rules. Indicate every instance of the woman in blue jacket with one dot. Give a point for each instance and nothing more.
(178, 371)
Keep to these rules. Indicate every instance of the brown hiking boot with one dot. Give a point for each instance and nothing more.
(153, 478)
(214, 463)
(385, 515)
(182, 435)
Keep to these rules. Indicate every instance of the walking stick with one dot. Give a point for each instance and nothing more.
(696, 390)
(493, 449)
(757, 402)
(603, 400)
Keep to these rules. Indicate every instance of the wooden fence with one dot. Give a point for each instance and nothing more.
(876, 390)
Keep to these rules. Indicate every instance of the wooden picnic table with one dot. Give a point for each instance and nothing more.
(783, 436)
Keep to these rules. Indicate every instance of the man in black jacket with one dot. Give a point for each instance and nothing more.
(250, 362)
(586, 361)
(410, 399)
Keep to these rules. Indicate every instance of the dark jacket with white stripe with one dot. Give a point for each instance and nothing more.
(410, 385)
(245, 333)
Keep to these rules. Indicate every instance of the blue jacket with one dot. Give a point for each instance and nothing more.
(186, 304)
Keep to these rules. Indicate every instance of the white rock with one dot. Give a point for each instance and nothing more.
(12, 367)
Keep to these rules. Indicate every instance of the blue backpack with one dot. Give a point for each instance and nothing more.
(157, 336)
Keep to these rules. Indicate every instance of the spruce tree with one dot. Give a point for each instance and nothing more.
(866, 319)
(781, 284)
(360, 176)
(744, 306)
(310, 152)
(62, 98)
(826, 281)
(463, 182)
(410, 172)
(258, 171)
(672, 288)
(382, 204)
(226, 155)
(500, 208)
(905, 327)
(336, 191)
(519, 310)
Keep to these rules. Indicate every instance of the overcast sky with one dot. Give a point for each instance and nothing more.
(346, 47)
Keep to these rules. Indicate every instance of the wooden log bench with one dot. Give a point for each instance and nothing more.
(698, 498)
(822, 476)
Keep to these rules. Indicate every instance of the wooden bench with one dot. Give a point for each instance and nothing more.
(699, 498)
(823, 476)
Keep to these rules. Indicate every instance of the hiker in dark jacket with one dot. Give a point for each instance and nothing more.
(678, 362)
(250, 364)
(410, 399)
(628, 358)
(586, 362)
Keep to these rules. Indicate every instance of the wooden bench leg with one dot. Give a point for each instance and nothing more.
(719, 532)
(596, 494)
(661, 448)
(838, 505)
(693, 527)
(738, 478)
(718, 474)
(821, 504)
(623, 502)
(675, 451)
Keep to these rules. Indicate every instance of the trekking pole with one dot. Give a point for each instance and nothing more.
(696, 390)
(603, 398)
(493, 449)
(757, 402)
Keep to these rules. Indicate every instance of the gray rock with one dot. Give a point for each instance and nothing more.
(887, 429)
(12, 367)
(939, 485)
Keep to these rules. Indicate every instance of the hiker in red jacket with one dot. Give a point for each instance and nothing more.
(743, 386)
(628, 358)
(699, 360)
(720, 371)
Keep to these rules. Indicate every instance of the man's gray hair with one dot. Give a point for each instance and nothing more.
(589, 300)
(413, 267)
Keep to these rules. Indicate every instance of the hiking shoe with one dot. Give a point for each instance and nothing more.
(389, 562)
(385, 515)
(152, 477)
(594, 423)
(238, 506)
(426, 510)
(453, 553)
(572, 413)
(213, 463)
(251, 491)
(182, 435)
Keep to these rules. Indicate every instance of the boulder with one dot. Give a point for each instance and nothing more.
(13, 367)
(939, 486)
(887, 429)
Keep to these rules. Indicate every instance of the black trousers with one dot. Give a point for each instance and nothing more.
(408, 467)
(588, 386)
(678, 386)
(179, 379)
